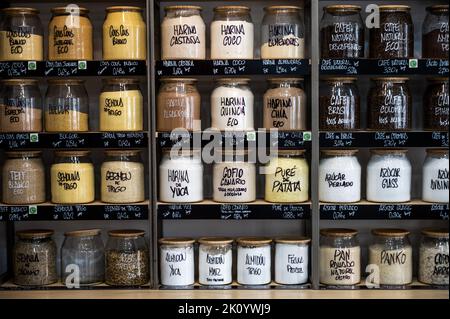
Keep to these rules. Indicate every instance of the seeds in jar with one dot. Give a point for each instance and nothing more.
(127, 268)
(433, 265)
(122, 182)
(340, 266)
(394, 265)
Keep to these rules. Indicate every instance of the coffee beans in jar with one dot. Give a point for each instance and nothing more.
(435, 33)
(436, 105)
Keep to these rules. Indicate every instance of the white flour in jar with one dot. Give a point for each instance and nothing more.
(231, 40)
(435, 180)
(291, 263)
(234, 182)
(215, 265)
(254, 265)
(395, 265)
(340, 266)
(177, 265)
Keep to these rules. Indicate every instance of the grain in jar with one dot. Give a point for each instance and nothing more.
(177, 261)
(435, 181)
(433, 257)
(436, 105)
(254, 264)
(291, 260)
(435, 33)
(215, 261)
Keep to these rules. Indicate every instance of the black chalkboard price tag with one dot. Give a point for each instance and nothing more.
(11, 69)
(120, 140)
(125, 212)
(175, 211)
(339, 66)
(235, 211)
(117, 68)
(285, 66)
(11, 141)
(63, 68)
(435, 66)
(289, 139)
(3, 213)
(182, 67)
(291, 211)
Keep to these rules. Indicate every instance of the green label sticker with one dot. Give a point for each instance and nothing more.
(251, 136)
(82, 65)
(307, 136)
(32, 210)
(413, 63)
(34, 137)
(32, 65)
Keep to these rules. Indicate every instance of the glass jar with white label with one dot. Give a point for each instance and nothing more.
(215, 261)
(177, 262)
(291, 260)
(433, 257)
(435, 176)
(254, 261)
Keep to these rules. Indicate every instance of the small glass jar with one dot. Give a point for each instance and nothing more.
(436, 105)
(287, 177)
(339, 176)
(21, 35)
(23, 178)
(388, 176)
(433, 257)
(291, 260)
(127, 259)
(66, 106)
(34, 258)
(435, 176)
(391, 252)
(395, 36)
(177, 262)
(342, 32)
(285, 105)
(20, 106)
(282, 33)
(70, 34)
(72, 178)
(83, 254)
(232, 33)
(254, 261)
(121, 105)
(215, 261)
(122, 177)
(339, 104)
(178, 105)
(124, 34)
(183, 33)
(435, 33)
(340, 257)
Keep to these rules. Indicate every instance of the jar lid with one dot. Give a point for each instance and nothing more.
(231, 8)
(233, 80)
(343, 152)
(383, 151)
(72, 153)
(176, 241)
(281, 80)
(215, 240)
(438, 79)
(65, 81)
(438, 151)
(173, 79)
(121, 81)
(70, 10)
(292, 240)
(390, 232)
(342, 8)
(290, 152)
(20, 10)
(344, 79)
(182, 151)
(123, 8)
(435, 232)
(282, 8)
(17, 154)
(83, 233)
(255, 241)
(34, 233)
(338, 232)
(19, 81)
(122, 152)
(126, 233)
(395, 79)
(227, 153)
(168, 8)
(393, 8)
(438, 8)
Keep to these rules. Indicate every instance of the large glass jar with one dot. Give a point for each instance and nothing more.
(433, 257)
(232, 33)
(183, 33)
(124, 34)
(21, 35)
(177, 266)
(122, 177)
(127, 259)
(285, 105)
(254, 261)
(395, 36)
(215, 261)
(340, 257)
(23, 178)
(66, 106)
(339, 104)
(83, 258)
(391, 252)
(178, 105)
(20, 106)
(435, 176)
(435, 33)
(72, 178)
(342, 32)
(282, 33)
(34, 258)
(436, 105)
(121, 105)
(291, 260)
(70, 34)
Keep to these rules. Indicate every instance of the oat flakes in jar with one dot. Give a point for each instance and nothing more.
(177, 267)
(215, 261)
(291, 260)
(433, 257)
(254, 261)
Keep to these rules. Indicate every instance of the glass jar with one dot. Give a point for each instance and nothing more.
(395, 36)
(285, 105)
(83, 254)
(21, 106)
(339, 176)
(282, 33)
(127, 259)
(340, 257)
(254, 261)
(388, 176)
(433, 257)
(215, 261)
(21, 35)
(391, 252)
(232, 33)
(435, 33)
(70, 34)
(342, 32)
(23, 178)
(390, 104)
(122, 177)
(291, 260)
(183, 33)
(177, 262)
(178, 105)
(124, 34)
(287, 177)
(34, 258)
(435, 176)
(232, 105)
(66, 106)
(72, 178)
(436, 105)
(121, 105)
(181, 177)
(339, 104)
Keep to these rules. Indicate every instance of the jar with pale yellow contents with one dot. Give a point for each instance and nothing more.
(72, 178)
(124, 34)
(121, 106)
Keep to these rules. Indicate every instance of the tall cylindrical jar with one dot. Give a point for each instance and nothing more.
(177, 267)
(436, 105)
(433, 257)
(254, 264)
(435, 33)
(215, 261)
(291, 260)
(435, 181)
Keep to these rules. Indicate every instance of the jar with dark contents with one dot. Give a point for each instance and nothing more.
(389, 104)
(342, 32)
(339, 104)
(395, 36)
(435, 33)
(436, 105)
